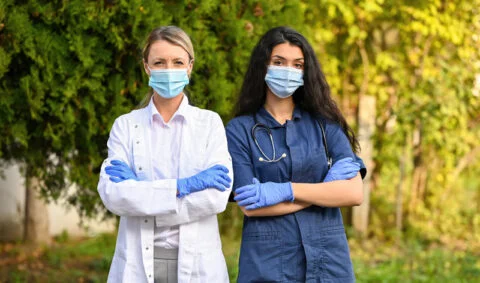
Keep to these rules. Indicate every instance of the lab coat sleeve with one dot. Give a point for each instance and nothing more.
(339, 146)
(198, 205)
(133, 198)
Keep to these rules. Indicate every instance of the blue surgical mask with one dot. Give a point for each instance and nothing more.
(283, 81)
(168, 83)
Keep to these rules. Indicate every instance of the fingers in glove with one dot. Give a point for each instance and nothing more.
(219, 186)
(219, 167)
(349, 168)
(222, 181)
(116, 179)
(225, 177)
(253, 206)
(246, 188)
(119, 168)
(114, 172)
(351, 175)
(248, 201)
(221, 175)
(244, 194)
(117, 162)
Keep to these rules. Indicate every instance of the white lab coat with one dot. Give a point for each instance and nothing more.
(139, 204)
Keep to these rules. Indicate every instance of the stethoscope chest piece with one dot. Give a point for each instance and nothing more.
(261, 159)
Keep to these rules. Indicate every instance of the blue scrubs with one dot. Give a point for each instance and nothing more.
(306, 246)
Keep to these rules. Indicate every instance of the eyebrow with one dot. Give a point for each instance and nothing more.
(280, 57)
(174, 59)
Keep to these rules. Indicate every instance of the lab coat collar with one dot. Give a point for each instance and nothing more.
(264, 117)
(182, 110)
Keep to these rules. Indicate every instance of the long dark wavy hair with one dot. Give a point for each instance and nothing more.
(314, 96)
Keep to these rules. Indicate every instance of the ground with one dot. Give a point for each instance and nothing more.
(88, 260)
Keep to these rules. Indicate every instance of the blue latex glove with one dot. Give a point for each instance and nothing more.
(263, 194)
(120, 171)
(343, 169)
(215, 177)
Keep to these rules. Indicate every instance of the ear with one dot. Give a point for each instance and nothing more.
(145, 68)
(190, 67)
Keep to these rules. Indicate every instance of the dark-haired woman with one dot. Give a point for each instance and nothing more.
(286, 129)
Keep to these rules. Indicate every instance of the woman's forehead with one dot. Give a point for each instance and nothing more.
(287, 50)
(165, 50)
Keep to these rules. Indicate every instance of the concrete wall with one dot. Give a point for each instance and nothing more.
(61, 218)
(12, 204)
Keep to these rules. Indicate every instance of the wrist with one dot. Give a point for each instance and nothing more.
(182, 188)
(289, 192)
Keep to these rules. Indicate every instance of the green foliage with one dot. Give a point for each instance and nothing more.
(69, 68)
(418, 265)
(419, 60)
(88, 260)
(68, 260)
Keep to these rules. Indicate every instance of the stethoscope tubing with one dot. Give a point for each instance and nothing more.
(267, 159)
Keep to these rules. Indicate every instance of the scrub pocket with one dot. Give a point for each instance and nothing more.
(334, 262)
(260, 257)
(293, 262)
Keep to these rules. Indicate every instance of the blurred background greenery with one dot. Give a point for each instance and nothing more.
(69, 68)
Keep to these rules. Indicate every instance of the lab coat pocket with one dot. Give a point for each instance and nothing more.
(210, 267)
(260, 257)
(335, 262)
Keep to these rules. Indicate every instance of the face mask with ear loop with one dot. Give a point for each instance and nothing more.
(283, 81)
(168, 83)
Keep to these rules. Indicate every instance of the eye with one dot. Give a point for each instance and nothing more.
(179, 63)
(158, 63)
(277, 62)
(299, 66)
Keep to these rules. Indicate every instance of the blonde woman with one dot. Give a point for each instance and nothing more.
(168, 174)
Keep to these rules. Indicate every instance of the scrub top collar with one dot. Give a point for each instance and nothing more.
(264, 117)
(182, 111)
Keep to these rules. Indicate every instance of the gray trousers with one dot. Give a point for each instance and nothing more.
(165, 262)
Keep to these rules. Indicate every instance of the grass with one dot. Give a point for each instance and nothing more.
(77, 260)
(435, 265)
(88, 260)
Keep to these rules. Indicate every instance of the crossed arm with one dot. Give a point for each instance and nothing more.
(159, 198)
(343, 190)
(331, 194)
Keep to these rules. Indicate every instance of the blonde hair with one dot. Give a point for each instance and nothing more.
(173, 35)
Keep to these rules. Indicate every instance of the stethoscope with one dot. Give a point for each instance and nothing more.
(265, 158)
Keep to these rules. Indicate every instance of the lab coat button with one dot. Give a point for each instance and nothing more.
(146, 248)
(146, 220)
(138, 142)
(140, 168)
(136, 126)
